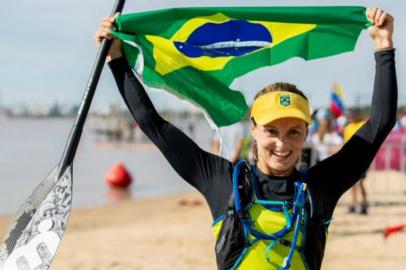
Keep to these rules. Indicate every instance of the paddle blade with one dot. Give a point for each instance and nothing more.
(34, 235)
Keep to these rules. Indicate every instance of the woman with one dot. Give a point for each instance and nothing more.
(325, 140)
(355, 123)
(280, 119)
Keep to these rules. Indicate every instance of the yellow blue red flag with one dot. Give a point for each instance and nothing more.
(337, 100)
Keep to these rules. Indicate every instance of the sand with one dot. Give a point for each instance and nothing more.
(174, 233)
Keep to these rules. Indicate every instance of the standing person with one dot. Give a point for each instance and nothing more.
(276, 234)
(355, 123)
(233, 142)
(325, 140)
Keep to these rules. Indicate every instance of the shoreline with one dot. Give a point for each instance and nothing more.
(174, 232)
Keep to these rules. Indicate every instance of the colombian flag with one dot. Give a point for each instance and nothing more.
(337, 100)
(196, 53)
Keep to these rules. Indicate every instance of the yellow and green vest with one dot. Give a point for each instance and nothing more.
(264, 220)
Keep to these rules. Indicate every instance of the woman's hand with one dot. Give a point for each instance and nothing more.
(104, 31)
(382, 30)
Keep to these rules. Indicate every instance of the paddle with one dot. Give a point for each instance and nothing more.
(36, 231)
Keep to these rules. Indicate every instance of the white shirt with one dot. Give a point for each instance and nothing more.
(323, 148)
(231, 136)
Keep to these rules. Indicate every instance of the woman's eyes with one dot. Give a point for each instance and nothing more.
(294, 132)
(291, 132)
(272, 131)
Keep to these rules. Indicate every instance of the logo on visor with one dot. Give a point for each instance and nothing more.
(284, 100)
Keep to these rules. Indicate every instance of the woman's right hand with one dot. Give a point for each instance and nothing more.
(104, 31)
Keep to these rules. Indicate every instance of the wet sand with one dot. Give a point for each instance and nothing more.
(174, 233)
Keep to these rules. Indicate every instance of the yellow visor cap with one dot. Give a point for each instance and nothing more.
(280, 104)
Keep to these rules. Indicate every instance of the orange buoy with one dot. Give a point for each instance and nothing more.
(118, 176)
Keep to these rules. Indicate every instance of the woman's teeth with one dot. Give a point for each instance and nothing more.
(281, 154)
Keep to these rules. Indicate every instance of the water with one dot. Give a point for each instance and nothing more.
(31, 148)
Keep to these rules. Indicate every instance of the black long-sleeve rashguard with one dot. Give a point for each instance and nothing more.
(211, 175)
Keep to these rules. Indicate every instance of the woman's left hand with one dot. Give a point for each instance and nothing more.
(382, 30)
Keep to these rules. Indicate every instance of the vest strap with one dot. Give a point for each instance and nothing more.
(293, 221)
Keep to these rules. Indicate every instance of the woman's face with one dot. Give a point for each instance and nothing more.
(279, 145)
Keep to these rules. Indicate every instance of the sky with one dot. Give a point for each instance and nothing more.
(47, 51)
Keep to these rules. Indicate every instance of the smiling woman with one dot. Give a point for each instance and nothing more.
(280, 116)
(270, 215)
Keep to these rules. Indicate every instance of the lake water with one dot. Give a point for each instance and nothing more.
(31, 148)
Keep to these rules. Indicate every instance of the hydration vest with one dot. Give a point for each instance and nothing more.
(261, 234)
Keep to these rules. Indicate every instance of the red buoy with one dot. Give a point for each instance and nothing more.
(118, 176)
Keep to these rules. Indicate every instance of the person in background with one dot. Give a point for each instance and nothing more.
(325, 140)
(402, 122)
(232, 142)
(355, 123)
(341, 122)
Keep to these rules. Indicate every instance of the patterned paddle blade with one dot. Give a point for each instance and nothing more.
(36, 231)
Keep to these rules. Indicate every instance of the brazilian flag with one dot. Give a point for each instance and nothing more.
(196, 53)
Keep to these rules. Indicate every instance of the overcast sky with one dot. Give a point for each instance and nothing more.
(47, 51)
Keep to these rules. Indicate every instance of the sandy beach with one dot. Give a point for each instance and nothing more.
(174, 233)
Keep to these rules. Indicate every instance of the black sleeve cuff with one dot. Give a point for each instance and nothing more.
(119, 64)
(384, 55)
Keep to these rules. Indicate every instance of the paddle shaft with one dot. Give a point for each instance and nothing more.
(76, 132)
